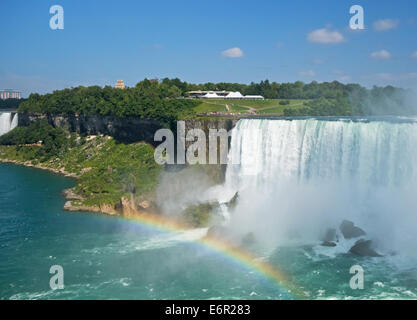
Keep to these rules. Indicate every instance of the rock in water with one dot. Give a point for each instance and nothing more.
(349, 230)
(328, 244)
(363, 248)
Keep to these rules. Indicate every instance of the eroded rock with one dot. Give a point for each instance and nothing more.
(364, 248)
(349, 230)
(328, 244)
(69, 194)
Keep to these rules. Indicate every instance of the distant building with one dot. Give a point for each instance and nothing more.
(235, 95)
(120, 84)
(10, 94)
(208, 94)
(222, 95)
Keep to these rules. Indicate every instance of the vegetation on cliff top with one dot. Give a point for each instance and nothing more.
(160, 100)
(148, 100)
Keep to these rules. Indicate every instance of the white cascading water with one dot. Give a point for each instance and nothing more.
(8, 121)
(296, 178)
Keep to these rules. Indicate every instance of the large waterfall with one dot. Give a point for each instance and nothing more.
(298, 177)
(8, 121)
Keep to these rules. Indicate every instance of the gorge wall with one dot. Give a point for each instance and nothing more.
(129, 129)
(123, 129)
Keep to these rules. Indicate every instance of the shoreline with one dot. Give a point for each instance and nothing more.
(28, 164)
(124, 208)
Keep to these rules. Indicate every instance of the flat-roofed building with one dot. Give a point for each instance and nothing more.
(10, 94)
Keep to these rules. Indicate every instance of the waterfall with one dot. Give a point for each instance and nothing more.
(8, 121)
(367, 153)
(301, 176)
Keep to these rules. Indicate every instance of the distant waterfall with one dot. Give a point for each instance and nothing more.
(8, 121)
(301, 176)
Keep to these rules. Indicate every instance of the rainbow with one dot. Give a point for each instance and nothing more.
(232, 252)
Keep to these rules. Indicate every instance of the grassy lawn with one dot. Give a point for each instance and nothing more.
(270, 106)
(209, 107)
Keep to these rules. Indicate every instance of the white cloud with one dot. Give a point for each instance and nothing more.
(385, 25)
(382, 55)
(414, 55)
(232, 53)
(307, 73)
(325, 36)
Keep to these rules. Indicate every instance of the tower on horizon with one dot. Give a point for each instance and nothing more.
(120, 84)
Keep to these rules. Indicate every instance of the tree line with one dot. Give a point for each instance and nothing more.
(10, 103)
(160, 99)
(147, 100)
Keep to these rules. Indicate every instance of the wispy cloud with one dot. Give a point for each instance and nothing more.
(325, 36)
(381, 55)
(385, 25)
(232, 53)
(307, 73)
(414, 55)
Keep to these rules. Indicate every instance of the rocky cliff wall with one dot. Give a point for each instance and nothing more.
(128, 129)
(123, 129)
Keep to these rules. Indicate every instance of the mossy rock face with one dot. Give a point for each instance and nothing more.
(199, 215)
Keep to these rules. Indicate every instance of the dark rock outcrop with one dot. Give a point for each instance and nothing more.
(364, 248)
(349, 230)
(328, 244)
(128, 129)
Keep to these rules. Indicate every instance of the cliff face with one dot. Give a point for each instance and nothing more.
(205, 125)
(127, 130)
(123, 129)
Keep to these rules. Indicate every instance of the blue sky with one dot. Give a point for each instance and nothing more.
(282, 41)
